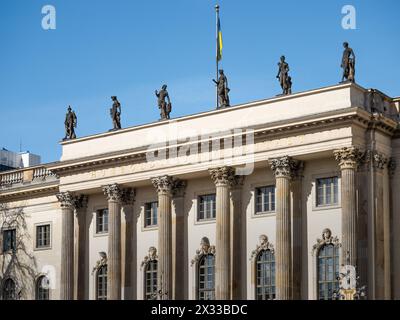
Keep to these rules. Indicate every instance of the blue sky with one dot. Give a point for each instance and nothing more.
(130, 48)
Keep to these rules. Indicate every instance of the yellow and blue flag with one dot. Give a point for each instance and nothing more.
(219, 41)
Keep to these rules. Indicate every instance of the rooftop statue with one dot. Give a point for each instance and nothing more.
(348, 63)
(283, 75)
(70, 124)
(115, 112)
(165, 108)
(223, 90)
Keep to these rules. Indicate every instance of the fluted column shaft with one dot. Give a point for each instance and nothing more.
(164, 186)
(283, 238)
(348, 161)
(297, 236)
(67, 248)
(283, 169)
(223, 178)
(81, 254)
(114, 196)
(130, 244)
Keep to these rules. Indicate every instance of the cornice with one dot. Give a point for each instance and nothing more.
(323, 120)
(35, 191)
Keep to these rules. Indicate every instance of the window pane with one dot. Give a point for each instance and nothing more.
(206, 207)
(206, 278)
(327, 191)
(265, 199)
(328, 269)
(265, 271)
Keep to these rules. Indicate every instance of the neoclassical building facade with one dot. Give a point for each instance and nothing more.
(264, 200)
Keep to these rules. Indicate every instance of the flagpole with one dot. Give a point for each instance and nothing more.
(216, 50)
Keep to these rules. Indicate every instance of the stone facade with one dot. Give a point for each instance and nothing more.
(289, 142)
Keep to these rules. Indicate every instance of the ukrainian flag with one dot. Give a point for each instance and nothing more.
(219, 41)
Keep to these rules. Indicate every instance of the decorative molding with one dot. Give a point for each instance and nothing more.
(205, 248)
(327, 238)
(66, 199)
(380, 160)
(348, 157)
(285, 166)
(128, 196)
(163, 184)
(81, 201)
(113, 192)
(101, 262)
(179, 188)
(223, 176)
(152, 256)
(264, 245)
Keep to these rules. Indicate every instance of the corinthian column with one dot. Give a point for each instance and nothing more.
(297, 222)
(348, 159)
(223, 178)
(67, 202)
(164, 186)
(114, 196)
(81, 209)
(283, 169)
(130, 242)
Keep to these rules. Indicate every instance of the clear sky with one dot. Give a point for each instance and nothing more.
(129, 48)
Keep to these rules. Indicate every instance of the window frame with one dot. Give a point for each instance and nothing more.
(336, 267)
(97, 230)
(39, 287)
(199, 267)
(152, 216)
(104, 278)
(255, 197)
(36, 226)
(13, 240)
(273, 281)
(332, 185)
(213, 210)
(314, 194)
(153, 275)
(3, 286)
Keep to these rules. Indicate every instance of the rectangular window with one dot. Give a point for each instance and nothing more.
(150, 214)
(206, 208)
(102, 221)
(327, 191)
(9, 240)
(265, 199)
(43, 236)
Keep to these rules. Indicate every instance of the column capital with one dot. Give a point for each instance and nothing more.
(163, 184)
(81, 201)
(285, 167)
(128, 196)
(223, 175)
(179, 188)
(348, 157)
(113, 192)
(66, 199)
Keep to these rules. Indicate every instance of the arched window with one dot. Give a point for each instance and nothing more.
(42, 288)
(265, 273)
(206, 277)
(150, 280)
(9, 290)
(328, 271)
(101, 283)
